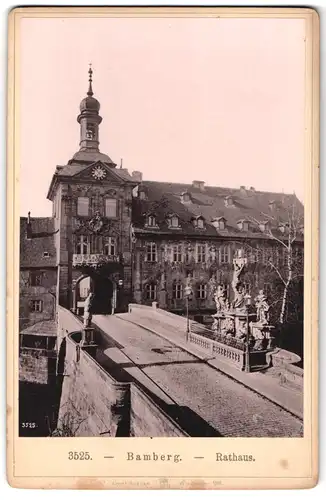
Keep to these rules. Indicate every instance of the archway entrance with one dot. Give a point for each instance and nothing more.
(104, 290)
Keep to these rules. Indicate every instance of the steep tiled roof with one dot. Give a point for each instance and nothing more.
(41, 240)
(163, 198)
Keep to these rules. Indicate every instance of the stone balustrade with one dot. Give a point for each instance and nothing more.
(93, 259)
(218, 350)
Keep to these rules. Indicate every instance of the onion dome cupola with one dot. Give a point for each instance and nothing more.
(89, 119)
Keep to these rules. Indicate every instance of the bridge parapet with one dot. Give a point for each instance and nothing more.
(93, 402)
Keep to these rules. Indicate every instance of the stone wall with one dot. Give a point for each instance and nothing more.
(36, 365)
(148, 420)
(93, 403)
(45, 293)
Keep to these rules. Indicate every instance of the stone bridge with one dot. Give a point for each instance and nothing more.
(145, 378)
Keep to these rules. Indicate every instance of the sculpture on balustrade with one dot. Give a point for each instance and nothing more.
(262, 308)
(221, 300)
(238, 289)
(88, 310)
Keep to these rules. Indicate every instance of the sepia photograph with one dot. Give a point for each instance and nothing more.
(161, 200)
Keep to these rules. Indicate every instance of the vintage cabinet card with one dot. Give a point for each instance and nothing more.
(162, 247)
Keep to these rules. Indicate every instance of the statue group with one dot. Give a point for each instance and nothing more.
(231, 318)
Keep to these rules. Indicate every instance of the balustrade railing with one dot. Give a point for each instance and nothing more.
(93, 259)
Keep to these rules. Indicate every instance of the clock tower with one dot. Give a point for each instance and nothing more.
(92, 217)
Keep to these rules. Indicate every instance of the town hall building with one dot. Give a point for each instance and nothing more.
(130, 240)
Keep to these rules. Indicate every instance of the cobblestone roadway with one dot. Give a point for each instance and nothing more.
(227, 405)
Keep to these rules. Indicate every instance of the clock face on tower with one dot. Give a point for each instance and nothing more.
(98, 173)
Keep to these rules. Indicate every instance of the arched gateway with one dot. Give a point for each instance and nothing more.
(104, 288)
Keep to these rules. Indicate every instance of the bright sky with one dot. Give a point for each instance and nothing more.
(219, 100)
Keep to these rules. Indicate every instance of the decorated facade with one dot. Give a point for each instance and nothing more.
(125, 239)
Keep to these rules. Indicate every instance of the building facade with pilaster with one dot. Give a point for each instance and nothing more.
(131, 240)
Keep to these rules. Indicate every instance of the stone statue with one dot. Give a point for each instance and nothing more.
(262, 308)
(220, 298)
(238, 289)
(88, 310)
(239, 296)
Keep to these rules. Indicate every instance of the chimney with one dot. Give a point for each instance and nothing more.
(29, 226)
(137, 176)
(272, 205)
(228, 201)
(252, 189)
(199, 185)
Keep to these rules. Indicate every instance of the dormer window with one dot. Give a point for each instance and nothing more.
(199, 222)
(185, 197)
(243, 225)
(173, 221)
(151, 221)
(219, 223)
(263, 226)
(228, 201)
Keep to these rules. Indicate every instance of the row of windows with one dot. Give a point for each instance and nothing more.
(110, 207)
(200, 290)
(173, 221)
(179, 254)
(83, 245)
(223, 255)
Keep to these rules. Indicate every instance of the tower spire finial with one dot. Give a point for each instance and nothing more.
(90, 72)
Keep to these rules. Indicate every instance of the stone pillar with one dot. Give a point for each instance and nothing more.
(64, 250)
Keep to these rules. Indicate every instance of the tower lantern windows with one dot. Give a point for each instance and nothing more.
(90, 132)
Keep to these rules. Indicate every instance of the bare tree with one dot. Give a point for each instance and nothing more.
(284, 226)
(69, 422)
